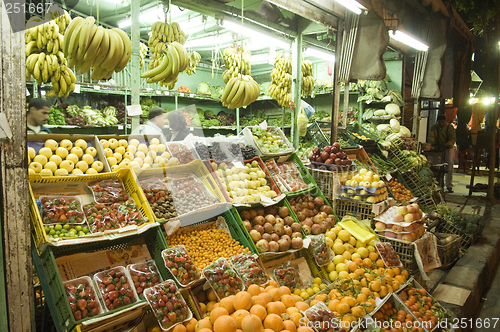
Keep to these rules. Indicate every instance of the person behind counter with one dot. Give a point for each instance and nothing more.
(38, 115)
(442, 138)
(178, 126)
(157, 119)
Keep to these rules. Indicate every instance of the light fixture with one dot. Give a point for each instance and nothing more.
(489, 101)
(148, 15)
(256, 36)
(209, 41)
(352, 5)
(408, 40)
(319, 54)
(259, 58)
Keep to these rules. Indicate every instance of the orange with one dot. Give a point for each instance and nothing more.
(275, 293)
(352, 266)
(273, 283)
(211, 306)
(375, 286)
(277, 308)
(258, 311)
(211, 295)
(251, 323)
(373, 256)
(289, 326)
(296, 298)
(343, 308)
(305, 329)
(225, 324)
(302, 306)
(191, 325)
(332, 305)
(368, 262)
(205, 323)
(285, 290)
(290, 311)
(361, 298)
(228, 304)
(243, 300)
(239, 315)
(287, 300)
(379, 262)
(273, 322)
(267, 297)
(295, 318)
(254, 290)
(216, 313)
(179, 328)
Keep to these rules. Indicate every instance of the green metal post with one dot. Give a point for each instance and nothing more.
(296, 78)
(135, 73)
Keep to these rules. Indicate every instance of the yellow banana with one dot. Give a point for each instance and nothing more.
(71, 75)
(36, 70)
(164, 74)
(120, 49)
(158, 69)
(175, 59)
(233, 91)
(227, 90)
(237, 96)
(127, 49)
(103, 49)
(69, 31)
(48, 61)
(62, 87)
(113, 48)
(83, 42)
(93, 48)
(183, 56)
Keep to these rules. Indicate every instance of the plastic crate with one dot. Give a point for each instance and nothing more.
(360, 210)
(316, 134)
(55, 295)
(370, 141)
(427, 203)
(414, 183)
(406, 253)
(247, 133)
(130, 184)
(449, 228)
(306, 176)
(448, 253)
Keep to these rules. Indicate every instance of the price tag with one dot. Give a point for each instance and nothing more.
(97, 87)
(77, 88)
(120, 127)
(181, 94)
(191, 95)
(149, 89)
(306, 242)
(167, 93)
(266, 199)
(27, 92)
(388, 177)
(133, 110)
(238, 164)
(158, 92)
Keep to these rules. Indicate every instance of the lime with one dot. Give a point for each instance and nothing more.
(46, 228)
(81, 233)
(58, 227)
(78, 228)
(66, 226)
(52, 232)
(64, 231)
(86, 229)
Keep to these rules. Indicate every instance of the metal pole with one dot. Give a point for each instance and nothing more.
(296, 80)
(135, 73)
(336, 83)
(493, 126)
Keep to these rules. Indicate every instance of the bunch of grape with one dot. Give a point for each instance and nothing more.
(248, 152)
(56, 117)
(202, 150)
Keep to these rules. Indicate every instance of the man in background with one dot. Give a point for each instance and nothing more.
(442, 138)
(157, 119)
(38, 114)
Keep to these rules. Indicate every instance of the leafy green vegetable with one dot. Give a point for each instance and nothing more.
(204, 88)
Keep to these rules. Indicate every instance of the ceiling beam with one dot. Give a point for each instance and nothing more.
(308, 11)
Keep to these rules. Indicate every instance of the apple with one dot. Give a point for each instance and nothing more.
(402, 210)
(390, 235)
(397, 228)
(81, 144)
(380, 226)
(333, 155)
(60, 172)
(67, 165)
(398, 218)
(329, 161)
(97, 165)
(312, 157)
(67, 144)
(31, 152)
(407, 237)
(411, 209)
(319, 160)
(91, 151)
(62, 152)
(408, 218)
(325, 155)
(51, 144)
(36, 166)
(338, 161)
(316, 151)
(46, 172)
(336, 145)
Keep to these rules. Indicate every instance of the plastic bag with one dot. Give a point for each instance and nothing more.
(249, 269)
(308, 109)
(63, 210)
(322, 318)
(322, 252)
(288, 275)
(302, 122)
(82, 298)
(144, 275)
(108, 191)
(106, 217)
(167, 304)
(180, 265)
(190, 194)
(223, 278)
(159, 197)
(115, 287)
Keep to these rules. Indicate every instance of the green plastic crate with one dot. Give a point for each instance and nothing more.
(52, 284)
(306, 176)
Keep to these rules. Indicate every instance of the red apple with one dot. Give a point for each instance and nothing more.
(327, 149)
(325, 155)
(336, 145)
(319, 160)
(329, 161)
(316, 151)
(338, 161)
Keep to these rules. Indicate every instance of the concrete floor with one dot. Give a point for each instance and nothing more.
(490, 308)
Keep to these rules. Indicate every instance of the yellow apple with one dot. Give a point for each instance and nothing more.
(67, 144)
(91, 151)
(76, 150)
(139, 161)
(40, 159)
(133, 142)
(173, 161)
(165, 155)
(148, 160)
(31, 152)
(143, 148)
(128, 155)
(46, 151)
(154, 141)
(114, 168)
(105, 143)
(62, 152)
(161, 148)
(123, 142)
(108, 152)
(82, 165)
(118, 156)
(88, 159)
(157, 159)
(36, 166)
(140, 155)
(51, 144)
(67, 164)
(120, 150)
(113, 143)
(91, 171)
(124, 164)
(81, 144)
(132, 149)
(76, 171)
(46, 172)
(152, 154)
(146, 166)
(97, 165)
(112, 161)
(153, 148)
(73, 157)
(56, 159)
(134, 163)
(61, 172)
(31, 171)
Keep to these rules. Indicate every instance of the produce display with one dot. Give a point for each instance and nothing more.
(388, 255)
(56, 231)
(244, 184)
(160, 198)
(82, 298)
(64, 210)
(143, 51)
(399, 191)
(87, 46)
(364, 185)
(237, 62)
(108, 191)
(240, 91)
(316, 286)
(171, 62)
(167, 304)
(249, 269)
(403, 223)
(307, 82)
(427, 176)
(194, 59)
(184, 89)
(389, 313)
(56, 116)
(63, 158)
(422, 305)
(272, 229)
(318, 314)
(288, 275)
(331, 158)
(206, 245)
(45, 61)
(144, 275)
(223, 278)
(180, 152)
(121, 153)
(115, 287)
(271, 140)
(315, 215)
(89, 116)
(383, 166)
(286, 175)
(190, 194)
(180, 265)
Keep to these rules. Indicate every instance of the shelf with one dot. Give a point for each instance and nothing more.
(170, 93)
(215, 128)
(86, 127)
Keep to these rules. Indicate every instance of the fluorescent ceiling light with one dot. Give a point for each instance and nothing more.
(352, 5)
(209, 41)
(260, 58)
(327, 56)
(152, 14)
(256, 36)
(408, 40)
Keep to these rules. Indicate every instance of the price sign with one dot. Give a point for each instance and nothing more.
(388, 177)
(77, 88)
(97, 87)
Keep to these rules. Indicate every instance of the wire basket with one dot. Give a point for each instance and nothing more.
(448, 253)
(449, 228)
(360, 210)
(415, 184)
(406, 253)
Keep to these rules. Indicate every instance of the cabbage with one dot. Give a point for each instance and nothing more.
(395, 126)
(204, 88)
(379, 113)
(405, 131)
(392, 109)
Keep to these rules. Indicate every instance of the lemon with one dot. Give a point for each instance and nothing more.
(341, 267)
(344, 275)
(330, 267)
(338, 259)
(344, 235)
(304, 295)
(333, 275)
(338, 248)
(347, 255)
(317, 281)
(310, 291)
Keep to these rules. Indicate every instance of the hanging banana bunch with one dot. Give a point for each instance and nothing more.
(240, 91)
(45, 61)
(307, 83)
(87, 46)
(61, 17)
(162, 34)
(142, 53)
(172, 61)
(236, 62)
(194, 59)
(281, 84)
